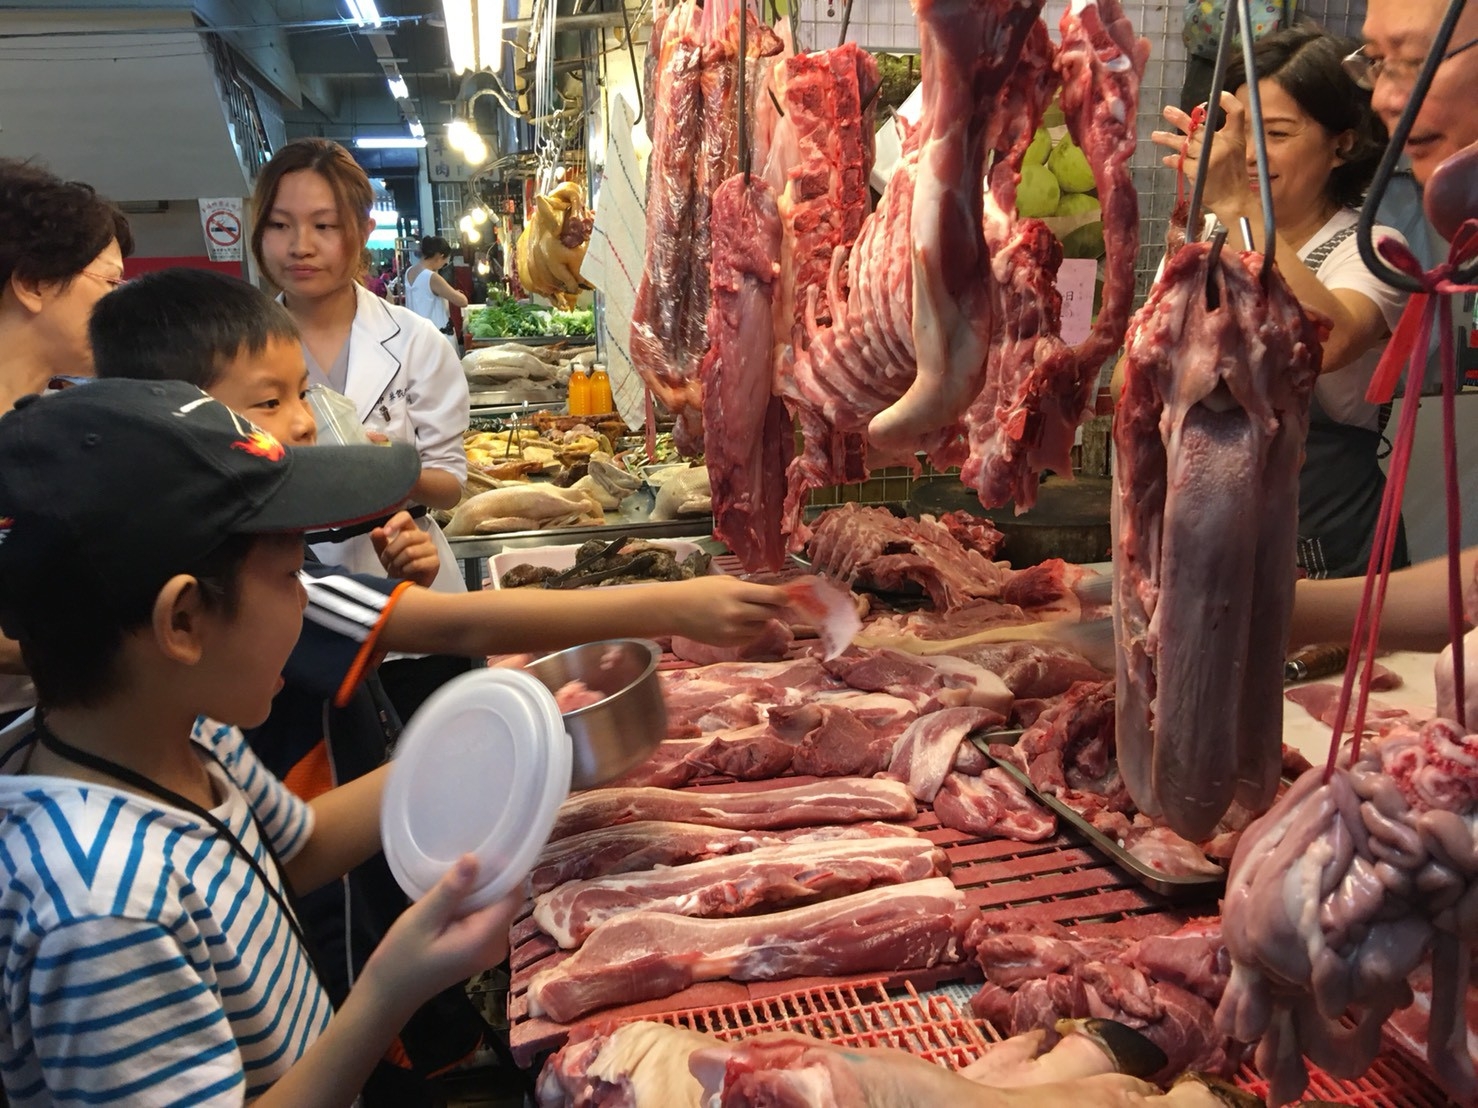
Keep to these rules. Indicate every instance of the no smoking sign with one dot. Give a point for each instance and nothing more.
(220, 219)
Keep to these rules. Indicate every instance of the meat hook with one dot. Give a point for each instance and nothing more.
(1240, 12)
(742, 92)
(1365, 228)
(846, 19)
(1213, 256)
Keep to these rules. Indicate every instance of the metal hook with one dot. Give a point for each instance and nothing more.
(742, 92)
(1259, 143)
(1365, 229)
(1213, 256)
(846, 19)
(1213, 105)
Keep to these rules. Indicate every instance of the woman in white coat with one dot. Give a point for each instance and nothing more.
(311, 219)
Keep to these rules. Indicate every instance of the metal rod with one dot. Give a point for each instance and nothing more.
(743, 92)
(846, 19)
(1213, 105)
(1365, 229)
(1245, 225)
(641, 103)
(1213, 257)
(1259, 143)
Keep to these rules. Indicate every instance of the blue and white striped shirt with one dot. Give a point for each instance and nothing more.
(144, 963)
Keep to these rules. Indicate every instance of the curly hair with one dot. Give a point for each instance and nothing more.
(50, 229)
(1305, 61)
(354, 196)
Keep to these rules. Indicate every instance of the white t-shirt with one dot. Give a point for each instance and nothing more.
(1342, 393)
(421, 298)
(144, 961)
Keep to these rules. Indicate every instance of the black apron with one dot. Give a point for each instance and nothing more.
(1341, 484)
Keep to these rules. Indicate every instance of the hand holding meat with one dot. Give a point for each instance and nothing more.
(722, 610)
(1226, 194)
(406, 551)
(1336, 896)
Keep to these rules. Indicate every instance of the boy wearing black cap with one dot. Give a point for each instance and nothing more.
(153, 955)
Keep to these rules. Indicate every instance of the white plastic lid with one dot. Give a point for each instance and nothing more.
(481, 769)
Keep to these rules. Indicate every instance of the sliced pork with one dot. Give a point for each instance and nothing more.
(926, 752)
(742, 884)
(1209, 433)
(992, 805)
(647, 955)
(841, 800)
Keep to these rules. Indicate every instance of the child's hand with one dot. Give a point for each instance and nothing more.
(725, 611)
(437, 942)
(406, 551)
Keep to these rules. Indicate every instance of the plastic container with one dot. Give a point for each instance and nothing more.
(601, 400)
(579, 393)
(563, 557)
(338, 420)
(481, 769)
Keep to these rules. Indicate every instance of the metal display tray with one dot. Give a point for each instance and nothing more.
(1192, 887)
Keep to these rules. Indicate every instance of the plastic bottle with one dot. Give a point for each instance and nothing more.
(579, 393)
(600, 393)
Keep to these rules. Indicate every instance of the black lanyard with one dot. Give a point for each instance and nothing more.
(139, 782)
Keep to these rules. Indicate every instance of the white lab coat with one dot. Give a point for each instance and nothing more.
(404, 379)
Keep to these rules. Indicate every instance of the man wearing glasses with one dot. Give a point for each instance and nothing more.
(1398, 34)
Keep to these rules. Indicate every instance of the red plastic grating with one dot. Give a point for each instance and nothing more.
(1391, 1082)
(855, 1014)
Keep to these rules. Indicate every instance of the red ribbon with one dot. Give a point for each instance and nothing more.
(1198, 118)
(1408, 349)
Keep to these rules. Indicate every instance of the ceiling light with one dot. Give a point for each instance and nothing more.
(465, 223)
(472, 235)
(484, 269)
(418, 129)
(474, 34)
(460, 41)
(373, 142)
(479, 215)
(475, 151)
(398, 88)
(365, 13)
(458, 134)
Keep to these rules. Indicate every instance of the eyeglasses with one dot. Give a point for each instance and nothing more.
(1365, 71)
(106, 278)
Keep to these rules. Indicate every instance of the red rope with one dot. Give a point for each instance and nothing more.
(1409, 346)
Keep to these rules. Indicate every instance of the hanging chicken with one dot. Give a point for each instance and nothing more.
(553, 245)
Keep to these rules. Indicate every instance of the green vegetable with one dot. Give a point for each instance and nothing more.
(504, 318)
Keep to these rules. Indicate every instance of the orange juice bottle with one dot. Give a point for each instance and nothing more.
(600, 393)
(579, 393)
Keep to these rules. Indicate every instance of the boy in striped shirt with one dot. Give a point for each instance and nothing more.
(151, 954)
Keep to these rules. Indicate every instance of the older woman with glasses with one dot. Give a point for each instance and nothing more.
(61, 251)
(1323, 143)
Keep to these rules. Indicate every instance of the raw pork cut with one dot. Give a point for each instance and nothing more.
(1032, 425)
(940, 681)
(925, 753)
(754, 442)
(635, 1065)
(645, 844)
(992, 806)
(1163, 987)
(741, 884)
(1210, 432)
(871, 548)
(694, 149)
(647, 955)
(841, 800)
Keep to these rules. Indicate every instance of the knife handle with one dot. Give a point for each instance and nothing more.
(1319, 660)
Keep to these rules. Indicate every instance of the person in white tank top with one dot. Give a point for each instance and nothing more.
(426, 292)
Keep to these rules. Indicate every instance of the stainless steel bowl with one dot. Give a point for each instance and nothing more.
(619, 732)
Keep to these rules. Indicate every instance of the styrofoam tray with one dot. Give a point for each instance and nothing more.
(563, 557)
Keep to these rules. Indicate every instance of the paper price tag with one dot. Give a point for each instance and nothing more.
(1075, 282)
